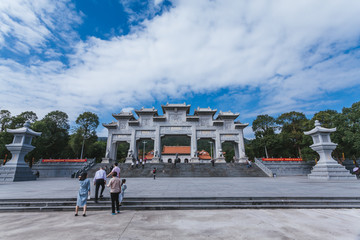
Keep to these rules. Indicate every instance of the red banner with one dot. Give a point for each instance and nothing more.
(282, 159)
(64, 160)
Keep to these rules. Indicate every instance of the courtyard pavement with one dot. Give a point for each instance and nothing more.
(187, 224)
(190, 187)
(300, 224)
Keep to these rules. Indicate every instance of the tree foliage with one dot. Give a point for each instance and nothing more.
(291, 141)
(5, 117)
(279, 137)
(54, 138)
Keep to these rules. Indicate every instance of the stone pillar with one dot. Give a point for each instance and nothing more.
(132, 148)
(17, 169)
(137, 146)
(157, 145)
(236, 150)
(109, 153)
(327, 168)
(193, 151)
(218, 149)
(241, 146)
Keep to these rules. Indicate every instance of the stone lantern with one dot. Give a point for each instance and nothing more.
(327, 168)
(17, 169)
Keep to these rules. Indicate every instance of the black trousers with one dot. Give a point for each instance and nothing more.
(114, 201)
(98, 183)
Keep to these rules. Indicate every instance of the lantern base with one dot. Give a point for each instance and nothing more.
(330, 171)
(10, 173)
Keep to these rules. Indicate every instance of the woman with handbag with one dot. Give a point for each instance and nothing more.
(83, 194)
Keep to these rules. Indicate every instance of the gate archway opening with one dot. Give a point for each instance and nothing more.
(206, 149)
(121, 151)
(229, 150)
(145, 148)
(175, 148)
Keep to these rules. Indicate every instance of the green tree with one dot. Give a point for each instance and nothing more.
(97, 150)
(87, 123)
(330, 119)
(54, 138)
(19, 120)
(5, 117)
(292, 125)
(5, 138)
(350, 128)
(264, 127)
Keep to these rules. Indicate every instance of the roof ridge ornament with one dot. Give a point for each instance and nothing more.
(27, 124)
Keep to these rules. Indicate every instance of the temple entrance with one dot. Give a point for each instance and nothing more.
(206, 149)
(121, 151)
(145, 148)
(175, 148)
(229, 150)
(179, 131)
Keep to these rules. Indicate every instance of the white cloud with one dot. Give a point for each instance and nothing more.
(31, 24)
(248, 132)
(198, 46)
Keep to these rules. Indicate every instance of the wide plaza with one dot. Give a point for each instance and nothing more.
(187, 224)
(190, 187)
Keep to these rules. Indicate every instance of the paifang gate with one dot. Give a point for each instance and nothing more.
(176, 120)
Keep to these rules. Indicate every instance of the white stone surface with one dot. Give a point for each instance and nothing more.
(300, 224)
(327, 167)
(175, 121)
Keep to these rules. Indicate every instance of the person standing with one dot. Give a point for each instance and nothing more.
(115, 189)
(83, 194)
(99, 180)
(115, 169)
(122, 193)
(154, 173)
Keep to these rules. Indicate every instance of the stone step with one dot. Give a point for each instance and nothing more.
(187, 170)
(177, 207)
(179, 203)
(189, 202)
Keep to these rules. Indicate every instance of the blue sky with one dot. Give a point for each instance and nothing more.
(251, 57)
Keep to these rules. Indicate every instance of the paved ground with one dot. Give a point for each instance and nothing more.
(189, 224)
(172, 225)
(190, 187)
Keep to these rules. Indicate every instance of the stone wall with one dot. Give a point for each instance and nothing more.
(58, 169)
(289, 168)
(349, 164)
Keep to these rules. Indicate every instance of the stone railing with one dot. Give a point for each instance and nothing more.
(263, 167)
(89, 164)
(289, 168)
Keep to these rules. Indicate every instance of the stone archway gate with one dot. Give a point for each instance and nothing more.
(175, 121)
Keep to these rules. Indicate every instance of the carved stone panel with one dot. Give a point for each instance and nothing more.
(205, 134)
(121, 138)
(176, 118)
(146, 122)
(145, 134)
(228, 125)
(175, 130)
(204, 122)
(229, 137)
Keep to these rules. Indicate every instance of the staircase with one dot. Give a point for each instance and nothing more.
(186, 170)
(39, 205)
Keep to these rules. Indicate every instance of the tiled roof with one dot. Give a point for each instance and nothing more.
(204, 155)
(176, 150)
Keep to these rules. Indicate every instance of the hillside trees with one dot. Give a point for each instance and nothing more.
(54, 138)
(86, 130)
